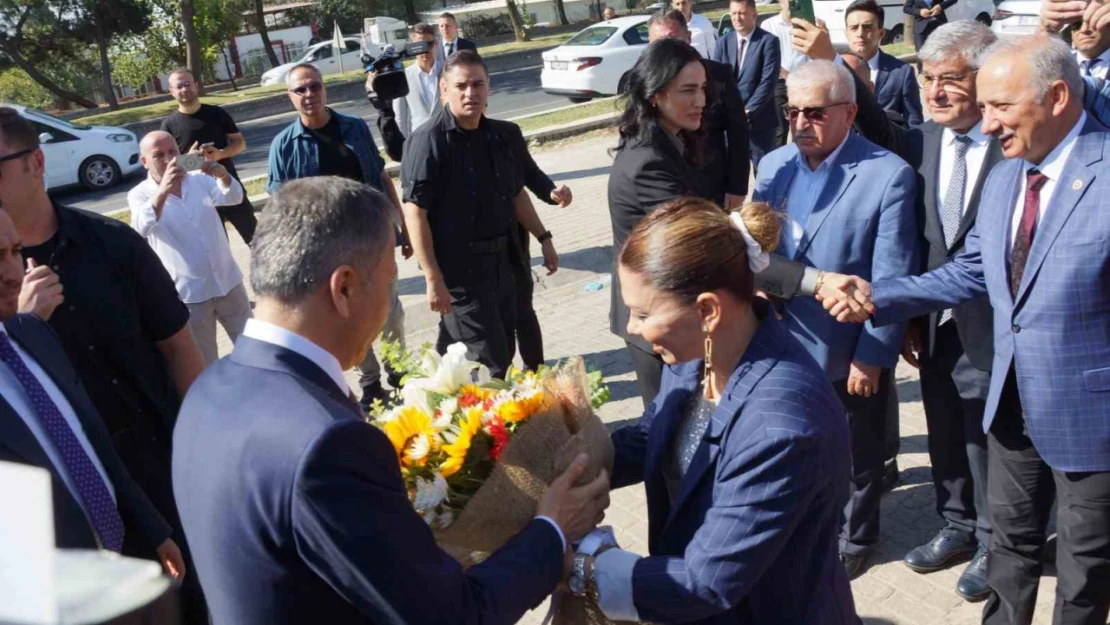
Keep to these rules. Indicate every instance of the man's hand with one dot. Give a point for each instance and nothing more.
(562, 196)
(912, 345)
(926, 13)
(170, 557)
(851, 294)
(576, 509)
(936, 10)
(439, 300)
(734, 201)
(1056, 14)
(217, 171)
(1097, 16)
(812, 40)
(41, 292)
(406, 249)
(550, 257)
(172, 178)
(863, 379)
(211, 153)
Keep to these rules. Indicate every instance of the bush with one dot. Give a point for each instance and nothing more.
(482, 26)
(18, 88)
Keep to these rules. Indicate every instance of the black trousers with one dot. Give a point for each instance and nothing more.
(893, 423)
(1020, 491)
(783, 130)
(649, 371)
(528, 335)
(242, 217)
(483, 312)
(955, 394)
(867, 420)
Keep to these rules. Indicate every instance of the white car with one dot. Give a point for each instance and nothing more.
(97, 157)
(323, 56)
(1016, 17)
(592, 63)
(832, 12)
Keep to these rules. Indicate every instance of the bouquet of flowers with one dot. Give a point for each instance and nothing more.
(476, 453)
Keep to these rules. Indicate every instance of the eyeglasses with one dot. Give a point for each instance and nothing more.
(183, 85)
(944, 80)
(312, 87)
(12, 157)
(813, 114)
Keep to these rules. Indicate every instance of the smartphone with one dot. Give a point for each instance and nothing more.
(190, 162)
(804, 10)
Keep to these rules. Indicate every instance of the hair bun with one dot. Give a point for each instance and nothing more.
(764, 223)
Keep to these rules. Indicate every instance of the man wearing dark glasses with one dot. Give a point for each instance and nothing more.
(322, 142)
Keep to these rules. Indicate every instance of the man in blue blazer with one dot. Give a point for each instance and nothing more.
(1040, 249)
(928, 15)
(753, 55)
(295, 505)
(848, 203)
(896, 86)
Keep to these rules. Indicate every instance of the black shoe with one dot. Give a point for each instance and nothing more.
(890, 475)
(972, 585)
(947, 547)
(854, 564)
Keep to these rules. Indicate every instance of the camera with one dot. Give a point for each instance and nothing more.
(389, 83)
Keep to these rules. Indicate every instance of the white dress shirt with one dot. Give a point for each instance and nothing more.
(428, 84)
(873, 65)
(780, 28)
(703, 36)
(801, 199)
(454, 47)
(1052, 167)
(743, 42)
(976, 156)
(1097, 67)
(11, 389)
(190, 237)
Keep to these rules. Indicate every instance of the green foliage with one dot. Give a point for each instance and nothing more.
(400, 359)
(481, 26)
(17, 87)
(348, 13)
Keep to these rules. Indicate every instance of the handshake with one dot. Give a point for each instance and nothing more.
(847, 298)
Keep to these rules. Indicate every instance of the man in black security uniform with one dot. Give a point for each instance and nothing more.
(463, 187)
(210, 129)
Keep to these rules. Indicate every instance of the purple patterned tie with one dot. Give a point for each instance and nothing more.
(91, 489)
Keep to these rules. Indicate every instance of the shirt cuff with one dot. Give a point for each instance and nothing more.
(809, 282)
(558, 530)
(613, 574)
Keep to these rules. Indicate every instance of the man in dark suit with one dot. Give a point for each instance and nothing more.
(727, 165)
(895, 83)
(449, 40)
(753, 55)
(319, 527)
(928, 15)
(47, 421)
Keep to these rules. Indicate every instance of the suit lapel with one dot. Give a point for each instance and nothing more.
(880, 74)
(62, 376)
(931, 138)
(19, 438)
(994, 156)
(841, 175)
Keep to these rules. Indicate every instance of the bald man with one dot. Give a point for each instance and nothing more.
(175, 210)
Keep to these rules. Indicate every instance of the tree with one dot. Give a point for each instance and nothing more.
(192, 44)
(265, 33)
(30, 30)
(347, 13)
(561, 12)
(518, 22)
(102, 20)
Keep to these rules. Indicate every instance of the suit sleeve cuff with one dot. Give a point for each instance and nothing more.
(808, 285)
(613, 574)
(558, 530)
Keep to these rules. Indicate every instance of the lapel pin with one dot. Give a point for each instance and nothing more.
(1076, 184)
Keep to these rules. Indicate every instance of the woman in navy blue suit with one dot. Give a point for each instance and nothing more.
(744, 453)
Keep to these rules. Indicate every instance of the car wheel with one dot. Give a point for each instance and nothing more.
(895, 35)
(983, 19)
(578, 100)
(99, 172)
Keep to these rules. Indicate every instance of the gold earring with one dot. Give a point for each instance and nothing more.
(708, 363)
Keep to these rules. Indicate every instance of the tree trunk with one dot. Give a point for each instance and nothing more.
(410, 12)
(227, 66)
(265, 34)
(105, 67)
(192, 45)
(518, 22)
(561, 13)
(37, 76)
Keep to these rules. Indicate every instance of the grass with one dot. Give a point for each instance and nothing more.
(543, 41)
(898, 49)
(556, 118)
(255, 187)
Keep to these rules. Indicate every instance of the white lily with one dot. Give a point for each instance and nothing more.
(430, 494)
(446, 413)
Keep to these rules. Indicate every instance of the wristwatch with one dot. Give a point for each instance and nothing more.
(581, 580)
(545, 236)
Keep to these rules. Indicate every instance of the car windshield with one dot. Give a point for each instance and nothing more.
(592, 36)
(57, 120)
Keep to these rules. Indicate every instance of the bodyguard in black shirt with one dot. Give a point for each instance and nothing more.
(210, 128)
(464, 192)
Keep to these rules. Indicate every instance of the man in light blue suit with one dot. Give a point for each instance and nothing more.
(849, 204)
(1041, 250)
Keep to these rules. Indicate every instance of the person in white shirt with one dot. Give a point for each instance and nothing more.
(791, 59)
(1092, 49)
(175, 211)
(703, 36)
(423, 99)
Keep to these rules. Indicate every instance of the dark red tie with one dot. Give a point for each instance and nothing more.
(1023, 240)
(740, 56)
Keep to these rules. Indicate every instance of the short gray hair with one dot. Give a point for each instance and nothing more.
(963, 39)
(293, 70)
(835, 79)
(312, 226)
(1049, 59)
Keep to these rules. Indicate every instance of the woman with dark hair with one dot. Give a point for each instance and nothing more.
(745, 452)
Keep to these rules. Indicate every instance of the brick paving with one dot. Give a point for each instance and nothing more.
(575, 321)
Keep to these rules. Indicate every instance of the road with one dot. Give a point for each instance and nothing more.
(514, 94)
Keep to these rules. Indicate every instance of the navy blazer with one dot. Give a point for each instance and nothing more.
(144, 527)
(1056, 332)
(296, 512)
(896, 89)
(922, 26)
(756, 80)
(752, 536)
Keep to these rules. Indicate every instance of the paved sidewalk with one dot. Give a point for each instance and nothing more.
(575, 321)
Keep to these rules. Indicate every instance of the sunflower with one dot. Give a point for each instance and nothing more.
(412, 435)
(516, 409)
(457, 450)
(471, 395)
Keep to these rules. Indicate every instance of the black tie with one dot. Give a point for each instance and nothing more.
(450, 49)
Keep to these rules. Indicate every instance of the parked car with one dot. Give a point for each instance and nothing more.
(832, 12)
(1016, 17)
(592, 63)
(97, 157)
(323, 56)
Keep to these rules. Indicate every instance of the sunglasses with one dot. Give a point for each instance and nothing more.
(813, 114)
(312, 87)
(12, 157)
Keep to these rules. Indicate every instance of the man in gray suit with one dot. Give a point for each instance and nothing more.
(423, 79)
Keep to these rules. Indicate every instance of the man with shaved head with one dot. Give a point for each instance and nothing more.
(177, 212)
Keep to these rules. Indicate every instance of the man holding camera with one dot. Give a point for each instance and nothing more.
(174, 209)
(422, 100)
